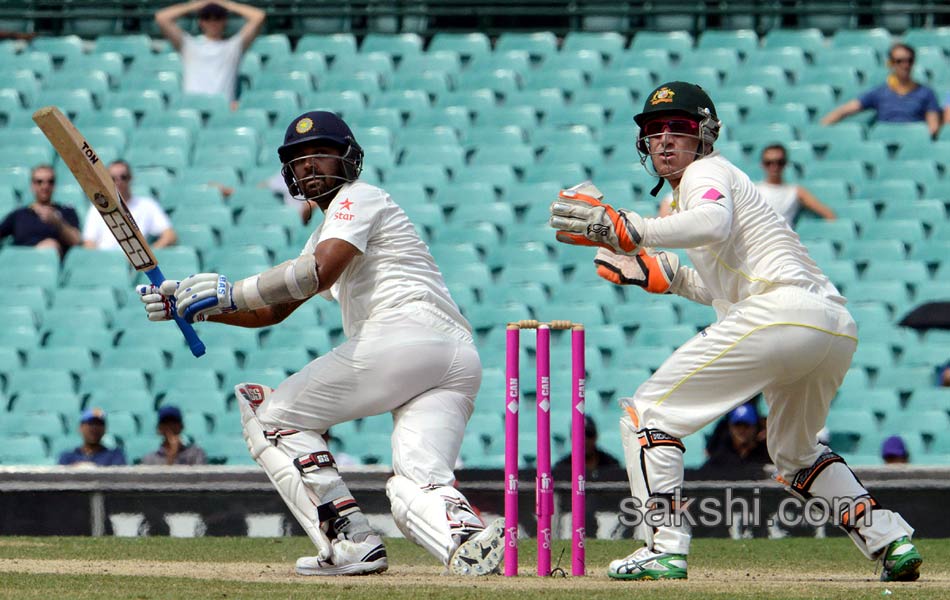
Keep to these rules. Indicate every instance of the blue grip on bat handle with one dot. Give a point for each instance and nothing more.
(197, 346)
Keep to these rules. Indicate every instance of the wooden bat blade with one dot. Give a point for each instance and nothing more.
(96, 182)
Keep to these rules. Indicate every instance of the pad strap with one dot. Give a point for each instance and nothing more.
(314, 461)
(274, 435)
(804, 478)
(649, 438)
(334, 516)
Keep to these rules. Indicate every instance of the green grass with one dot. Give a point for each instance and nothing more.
(160, 567)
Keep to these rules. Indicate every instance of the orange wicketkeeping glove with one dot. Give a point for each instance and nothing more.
(582, 219)
(652, 270)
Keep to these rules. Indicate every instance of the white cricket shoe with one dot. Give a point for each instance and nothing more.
(482, 553)
(348, 558)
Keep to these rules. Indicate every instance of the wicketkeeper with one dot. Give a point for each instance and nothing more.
(782, 329)
(409, 352)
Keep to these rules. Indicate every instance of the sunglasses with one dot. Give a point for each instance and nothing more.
(675, 126)
(42, 181)
(902, 61)
(123, 177)
(781, 162)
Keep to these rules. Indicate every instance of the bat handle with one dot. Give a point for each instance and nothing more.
(197, 346)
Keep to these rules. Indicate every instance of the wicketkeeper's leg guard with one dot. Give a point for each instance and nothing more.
(300, 466)
(850, 504)
(655, 469)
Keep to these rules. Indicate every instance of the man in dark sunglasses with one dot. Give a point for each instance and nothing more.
(782, 329)
(900, 99)
(147, 212)
(42, 224)
(787, 198)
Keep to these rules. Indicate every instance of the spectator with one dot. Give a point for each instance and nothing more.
(900, 99)
(943, 375)
(744, 446)
(92, 427)
(43, 224)
(786, 198)
(596, 459)
(147, 213)
(210, 62)
(174, 450)
(894, 452)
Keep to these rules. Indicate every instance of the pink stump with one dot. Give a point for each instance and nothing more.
(511, 451)
(544, 488)
(578, 465)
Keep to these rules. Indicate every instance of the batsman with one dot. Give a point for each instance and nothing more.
(408, 352)
(782, 328)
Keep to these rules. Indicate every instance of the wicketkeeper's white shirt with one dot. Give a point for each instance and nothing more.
(738, 245)
(394, 268)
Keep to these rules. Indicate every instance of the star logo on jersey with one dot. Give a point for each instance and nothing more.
(340, 215)
(664, 94)
(304, 125)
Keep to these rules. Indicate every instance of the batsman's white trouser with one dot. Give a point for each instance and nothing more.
(792, 345)
(412, 362)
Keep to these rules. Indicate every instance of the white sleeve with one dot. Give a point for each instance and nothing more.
(353, 215)
(689, 284)
(705, 215)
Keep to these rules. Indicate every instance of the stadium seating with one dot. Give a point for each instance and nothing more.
(470, 135)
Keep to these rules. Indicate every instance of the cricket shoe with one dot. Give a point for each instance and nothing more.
(482, 553)
(348, 558)
(901, 561)
(647, 564)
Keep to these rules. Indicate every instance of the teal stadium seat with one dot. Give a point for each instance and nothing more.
(877, 38)
(23, 449)
(136, 47)
(538, 44)
(332, 45)
(676, 42)
(468, 45)
(396, 45)
(743, 40)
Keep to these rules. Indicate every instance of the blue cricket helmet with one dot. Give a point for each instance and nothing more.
(321, 126)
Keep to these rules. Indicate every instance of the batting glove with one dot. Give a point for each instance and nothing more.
(650, 269)
(158, 306)
(203, 295)
(582, 219)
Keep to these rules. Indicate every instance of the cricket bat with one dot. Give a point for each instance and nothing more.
(96, 182)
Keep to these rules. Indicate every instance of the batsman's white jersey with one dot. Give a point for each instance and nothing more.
(782, 326)
(408, 351)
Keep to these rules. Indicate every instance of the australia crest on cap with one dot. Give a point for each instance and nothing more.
(664, 94)
(304, 125)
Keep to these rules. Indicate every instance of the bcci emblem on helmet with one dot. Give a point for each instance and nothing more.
(304, 125)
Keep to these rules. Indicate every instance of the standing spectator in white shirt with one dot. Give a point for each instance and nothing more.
(150, 217)
(210, 61)
(787, 198)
